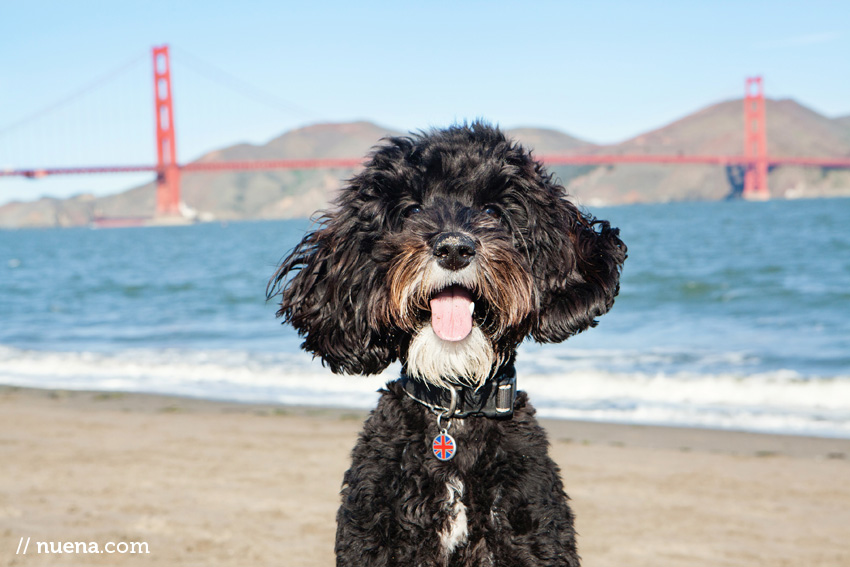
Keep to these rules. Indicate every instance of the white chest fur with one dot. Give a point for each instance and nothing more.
(454, 532)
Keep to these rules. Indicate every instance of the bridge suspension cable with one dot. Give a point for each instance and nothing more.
(222, 77)
(67, 99)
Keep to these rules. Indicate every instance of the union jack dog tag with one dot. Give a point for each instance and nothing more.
(444, 446)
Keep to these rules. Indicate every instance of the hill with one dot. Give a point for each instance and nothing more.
(252, 194)
(261, 194)
(793, 130)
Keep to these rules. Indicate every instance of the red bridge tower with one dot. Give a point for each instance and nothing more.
(167, 170)
(755, 141)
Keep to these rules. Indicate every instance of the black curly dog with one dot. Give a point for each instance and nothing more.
(446, 252)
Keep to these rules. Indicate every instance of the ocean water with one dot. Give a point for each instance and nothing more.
(732, 315)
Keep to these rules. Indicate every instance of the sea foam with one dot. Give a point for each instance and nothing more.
(780, 402)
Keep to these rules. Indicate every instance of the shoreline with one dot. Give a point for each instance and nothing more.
(648, 436)
(212, 484)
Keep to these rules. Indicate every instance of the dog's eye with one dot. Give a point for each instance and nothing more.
(412, 210)
(492, 211)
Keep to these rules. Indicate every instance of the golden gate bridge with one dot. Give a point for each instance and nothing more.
(754, 161)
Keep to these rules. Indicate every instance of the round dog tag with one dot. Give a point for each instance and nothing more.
(444, 446)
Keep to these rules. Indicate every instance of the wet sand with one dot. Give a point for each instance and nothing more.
(210, 483)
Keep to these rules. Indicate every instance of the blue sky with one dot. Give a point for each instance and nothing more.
(603, 71)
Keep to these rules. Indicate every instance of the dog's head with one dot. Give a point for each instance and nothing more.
(445, 252)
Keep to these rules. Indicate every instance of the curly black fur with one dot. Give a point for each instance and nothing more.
(394, 495)
(357, 290)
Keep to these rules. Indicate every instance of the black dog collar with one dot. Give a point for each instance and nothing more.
(494, 399)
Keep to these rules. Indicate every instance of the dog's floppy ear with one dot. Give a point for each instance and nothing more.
(576, 262)
(329, 289)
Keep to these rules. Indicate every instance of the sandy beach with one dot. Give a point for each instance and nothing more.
(209, 483)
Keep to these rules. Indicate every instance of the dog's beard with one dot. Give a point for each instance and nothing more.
(466, 362)
(501, 289)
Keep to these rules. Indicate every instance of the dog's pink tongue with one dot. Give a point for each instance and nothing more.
(451, 314)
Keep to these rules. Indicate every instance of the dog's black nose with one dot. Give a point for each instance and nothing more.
(454, 251)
